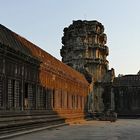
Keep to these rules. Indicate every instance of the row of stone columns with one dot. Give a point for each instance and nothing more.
(36, 97)
(27, 86)
(65, 100)
(127, 98)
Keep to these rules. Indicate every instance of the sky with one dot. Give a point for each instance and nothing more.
(42, 22)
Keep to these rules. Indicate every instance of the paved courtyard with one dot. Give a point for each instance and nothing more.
(128, 129)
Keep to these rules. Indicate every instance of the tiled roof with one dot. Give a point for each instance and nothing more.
(11, 39)
(7, 37)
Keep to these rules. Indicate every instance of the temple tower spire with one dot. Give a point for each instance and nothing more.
(84, 49)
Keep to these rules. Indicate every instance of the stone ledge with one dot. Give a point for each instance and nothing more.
(30, 131)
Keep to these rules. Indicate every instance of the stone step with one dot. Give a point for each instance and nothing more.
(26, 113)
(26, 122)
(27, 117)
(15, 122)
(28, 125)
(26, 131)
(23, 122)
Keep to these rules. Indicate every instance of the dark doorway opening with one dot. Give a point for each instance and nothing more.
(26, 96)
(13, 93)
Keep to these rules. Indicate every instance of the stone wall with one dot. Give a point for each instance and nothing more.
(126, 90)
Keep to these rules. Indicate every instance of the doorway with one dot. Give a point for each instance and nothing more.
(26, 96)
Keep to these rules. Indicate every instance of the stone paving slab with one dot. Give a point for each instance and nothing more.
(128, 129)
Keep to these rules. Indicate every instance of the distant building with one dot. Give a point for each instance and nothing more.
(126, 91)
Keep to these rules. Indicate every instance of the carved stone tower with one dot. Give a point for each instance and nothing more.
(84, 49)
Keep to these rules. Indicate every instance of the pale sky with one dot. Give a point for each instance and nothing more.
(42, 22)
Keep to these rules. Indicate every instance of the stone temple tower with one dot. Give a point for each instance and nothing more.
(84, 49)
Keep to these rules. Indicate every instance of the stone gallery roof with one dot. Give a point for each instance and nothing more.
(11, 39)
(18, 43)
(127, 80)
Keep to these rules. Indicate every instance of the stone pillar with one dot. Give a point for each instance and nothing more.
(5, 93)
(22, 88)
(112, 99)
(36, 96)
(65, 105)
(3, 70)
(49, 99)
(30, 96)
(16, 95)
(10, 95)
(1, 92)
(3, 85)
